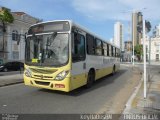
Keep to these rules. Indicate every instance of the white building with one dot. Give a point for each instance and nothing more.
(155, 48)
(118, 35)
(12, 51)
(156, 32)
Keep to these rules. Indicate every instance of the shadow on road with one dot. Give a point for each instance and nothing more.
(82, 90)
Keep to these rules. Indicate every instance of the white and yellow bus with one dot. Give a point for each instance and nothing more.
(61, 55)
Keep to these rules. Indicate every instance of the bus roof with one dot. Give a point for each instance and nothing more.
(95, 35)
(79, 26)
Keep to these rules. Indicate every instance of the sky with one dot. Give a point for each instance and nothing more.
(98, 16)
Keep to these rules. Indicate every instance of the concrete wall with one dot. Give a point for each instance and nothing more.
(155, 48)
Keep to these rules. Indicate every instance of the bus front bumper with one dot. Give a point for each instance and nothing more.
(49, 84)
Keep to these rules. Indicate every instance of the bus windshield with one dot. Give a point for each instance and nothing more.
(47, 49)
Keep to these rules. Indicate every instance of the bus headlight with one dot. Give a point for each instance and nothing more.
(61, 75)
(28, 72)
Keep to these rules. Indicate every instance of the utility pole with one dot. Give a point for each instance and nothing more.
(133, 47)
(144, 59)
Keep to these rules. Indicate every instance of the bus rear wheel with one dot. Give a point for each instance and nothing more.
(90, 79)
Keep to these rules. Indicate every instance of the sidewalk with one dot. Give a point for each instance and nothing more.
(138, 105)
(141, 63)
(11, 79)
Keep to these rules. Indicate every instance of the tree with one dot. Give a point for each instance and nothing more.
(148, 26)
(5, 17)
(138, 50)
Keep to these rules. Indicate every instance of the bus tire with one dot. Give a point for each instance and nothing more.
(114, 70)
(90, 79)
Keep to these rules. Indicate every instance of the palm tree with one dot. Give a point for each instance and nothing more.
(5, 17)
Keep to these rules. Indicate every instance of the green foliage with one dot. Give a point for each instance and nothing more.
(138, 50)
(6, 17)
(148, 26)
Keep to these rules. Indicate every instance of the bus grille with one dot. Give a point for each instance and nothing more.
(42, 83)
(43, 77)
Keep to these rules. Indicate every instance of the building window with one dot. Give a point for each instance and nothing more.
(157, 57)
(157, 48)
(14, 35)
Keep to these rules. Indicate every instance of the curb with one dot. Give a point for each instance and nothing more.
(128, 105)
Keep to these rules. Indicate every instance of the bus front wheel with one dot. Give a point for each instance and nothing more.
(90, 79)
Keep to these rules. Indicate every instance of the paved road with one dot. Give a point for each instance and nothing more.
(24, 99)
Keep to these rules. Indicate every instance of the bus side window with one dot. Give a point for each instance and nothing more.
(78, 47)
(105, 49)
(110, 50)
(90, 44)
(117, 52)
(113, 51)
(99, 47)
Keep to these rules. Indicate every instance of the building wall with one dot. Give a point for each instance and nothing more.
(21, 24)
(136, 36)
(156, 31)
(128, 46)
(155, 48)
(118, 35)
(127, 55)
